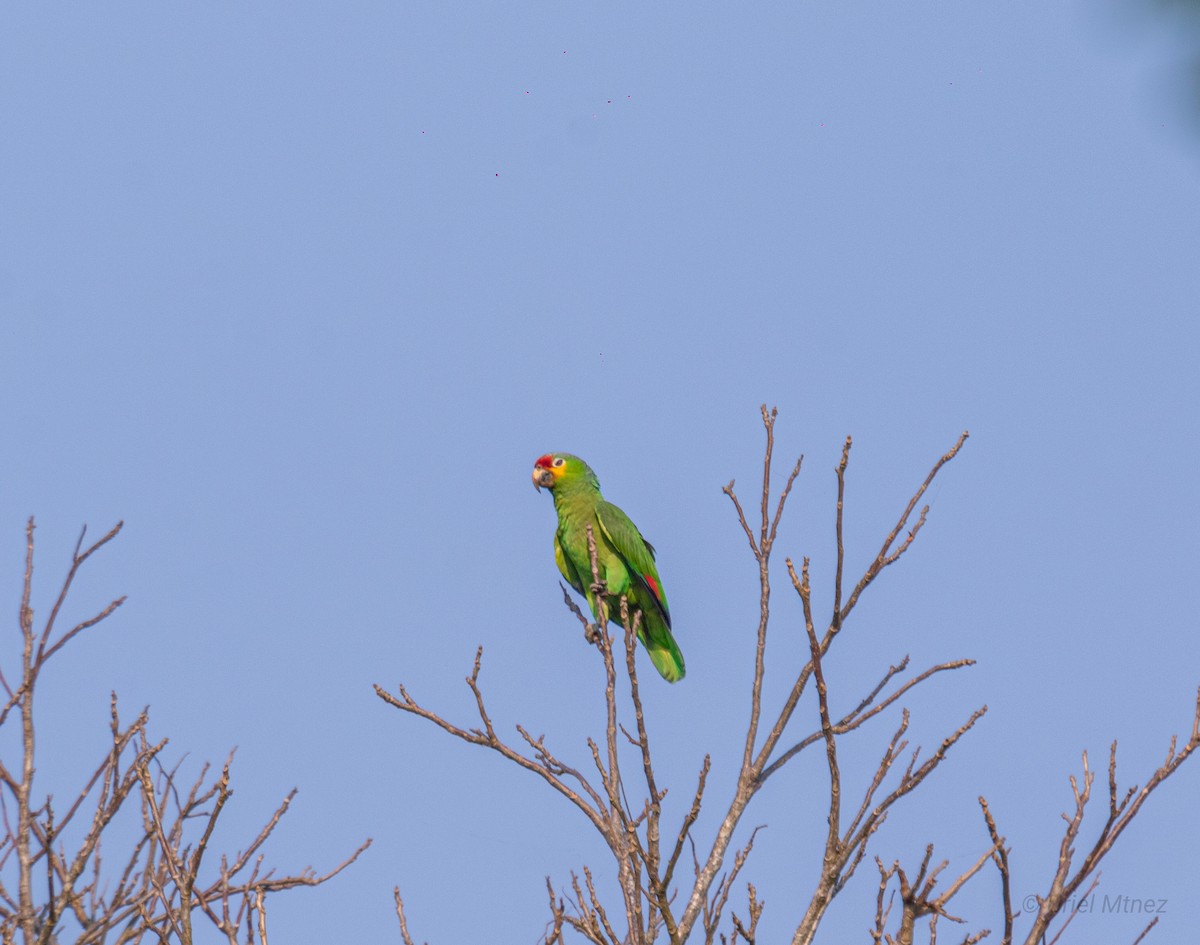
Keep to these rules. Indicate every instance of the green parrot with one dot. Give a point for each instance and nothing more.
(624, 559)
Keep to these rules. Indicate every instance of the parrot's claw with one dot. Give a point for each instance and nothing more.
(599, 588)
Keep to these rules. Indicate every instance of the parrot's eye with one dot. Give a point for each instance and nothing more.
(560, 462)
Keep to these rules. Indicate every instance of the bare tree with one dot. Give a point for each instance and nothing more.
(156, 873)
(658, 899)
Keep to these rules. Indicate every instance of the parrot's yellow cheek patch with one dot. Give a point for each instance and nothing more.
(548, 470)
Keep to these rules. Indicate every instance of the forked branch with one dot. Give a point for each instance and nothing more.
(156, 885)
(654, 898)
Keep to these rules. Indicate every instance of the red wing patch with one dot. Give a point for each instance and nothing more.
(651, 583)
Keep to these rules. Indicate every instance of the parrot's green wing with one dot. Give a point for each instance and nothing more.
(638, 554)
(645, 590)
(567, 568)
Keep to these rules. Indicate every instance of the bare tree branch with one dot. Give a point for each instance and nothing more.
(157, 886)
(628, 816)
(407, 939)
(1121, 812)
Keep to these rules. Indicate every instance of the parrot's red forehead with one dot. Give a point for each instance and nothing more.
(545, 462)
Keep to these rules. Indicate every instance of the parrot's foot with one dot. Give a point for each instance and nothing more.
(591, 633)
(600, 589)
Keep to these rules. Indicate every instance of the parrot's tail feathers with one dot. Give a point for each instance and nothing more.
(667, 658)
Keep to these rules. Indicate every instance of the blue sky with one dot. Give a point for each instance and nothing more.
(299, 294)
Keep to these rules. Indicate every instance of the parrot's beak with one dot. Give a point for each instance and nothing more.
(542, 477)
